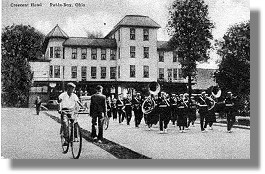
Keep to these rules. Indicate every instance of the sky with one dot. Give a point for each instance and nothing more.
(102, 15)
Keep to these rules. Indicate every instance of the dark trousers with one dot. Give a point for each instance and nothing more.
(121, 115)
(38, 109)
(230, 120)
(128, 114)
(164, 117)
(114, 112)
(202, 119)
(97, 119)
(138, 115)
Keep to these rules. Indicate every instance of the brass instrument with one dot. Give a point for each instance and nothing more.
(215, 94)
(149, 104)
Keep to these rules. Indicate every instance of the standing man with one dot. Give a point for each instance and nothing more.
(230, 111)
(38, 105)
(203, 110)
(164, 113)
(120, 108)
(137, 108)
(98, 111)
(128, 109)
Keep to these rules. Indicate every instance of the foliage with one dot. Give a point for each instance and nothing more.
(190, 28)
(20, 43)
(94, 34)
(234, 68)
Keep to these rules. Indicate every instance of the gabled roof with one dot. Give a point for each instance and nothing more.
(135, 21)
(57, 32)
(97, 42)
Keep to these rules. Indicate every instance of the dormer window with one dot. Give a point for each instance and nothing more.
(146, 34)
(132, 33)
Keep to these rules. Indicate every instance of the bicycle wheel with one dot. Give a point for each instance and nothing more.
(106, 123)
(64, 146)
(76, 143)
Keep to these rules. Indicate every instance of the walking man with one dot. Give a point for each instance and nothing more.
(230, 111)
(98, 111)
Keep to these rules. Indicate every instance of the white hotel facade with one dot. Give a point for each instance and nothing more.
(126, 60)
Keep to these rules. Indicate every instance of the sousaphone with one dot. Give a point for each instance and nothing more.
(148, 104)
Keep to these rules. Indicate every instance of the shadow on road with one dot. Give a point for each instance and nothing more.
(113, 148)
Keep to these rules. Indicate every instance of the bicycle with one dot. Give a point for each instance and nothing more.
(74, 133)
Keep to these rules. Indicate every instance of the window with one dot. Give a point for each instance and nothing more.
(132, 51)
(103, 54)
(103, 72)
(112, 72)
(132, 70)
(94, 54)
(51, 71)
(83, 53)
(83, 73)
(63, 71)
(132, 33)
(119, 34)
(57, 52)
(119, 49)
(119, 72)
(146, 71)
(74, 53)
(161, 56)
(146, 34)
(146, 52)
(161, 73)
(175, 56)
(180, 73)
(93, 72)
(112, 54)
(175, 73)
(56, 71)
(74, 72)
(169, 75)
(51, 52)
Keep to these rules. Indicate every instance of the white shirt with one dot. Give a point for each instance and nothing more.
(68, 102)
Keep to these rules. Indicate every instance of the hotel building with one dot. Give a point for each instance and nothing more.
(126, 60)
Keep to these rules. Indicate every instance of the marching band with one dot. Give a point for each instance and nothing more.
(162, 108)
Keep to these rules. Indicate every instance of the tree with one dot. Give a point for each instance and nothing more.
(190, 29)
(234, 68)
(20, 43)
(93, 35)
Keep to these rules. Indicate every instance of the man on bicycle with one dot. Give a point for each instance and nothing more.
(68, 100)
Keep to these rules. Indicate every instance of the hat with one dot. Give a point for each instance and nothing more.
(71, 84)
(229, 92)
(203, 92)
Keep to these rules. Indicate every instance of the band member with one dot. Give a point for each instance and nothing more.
(173, 108)
(192, 112)
(230, 111)
(128, 109)
(203, 110)
(114, 108)
(120, 109)
(182, 118)
(152, 117)
(137, 109)
(98, 110)
(163, 111)
(38, 105)
(109, 110)
(210, 116)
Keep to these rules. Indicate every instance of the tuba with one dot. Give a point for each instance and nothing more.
(215, 94)
(149, 104)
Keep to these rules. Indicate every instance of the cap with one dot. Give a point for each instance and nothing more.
(203, 92)
(71, 84)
